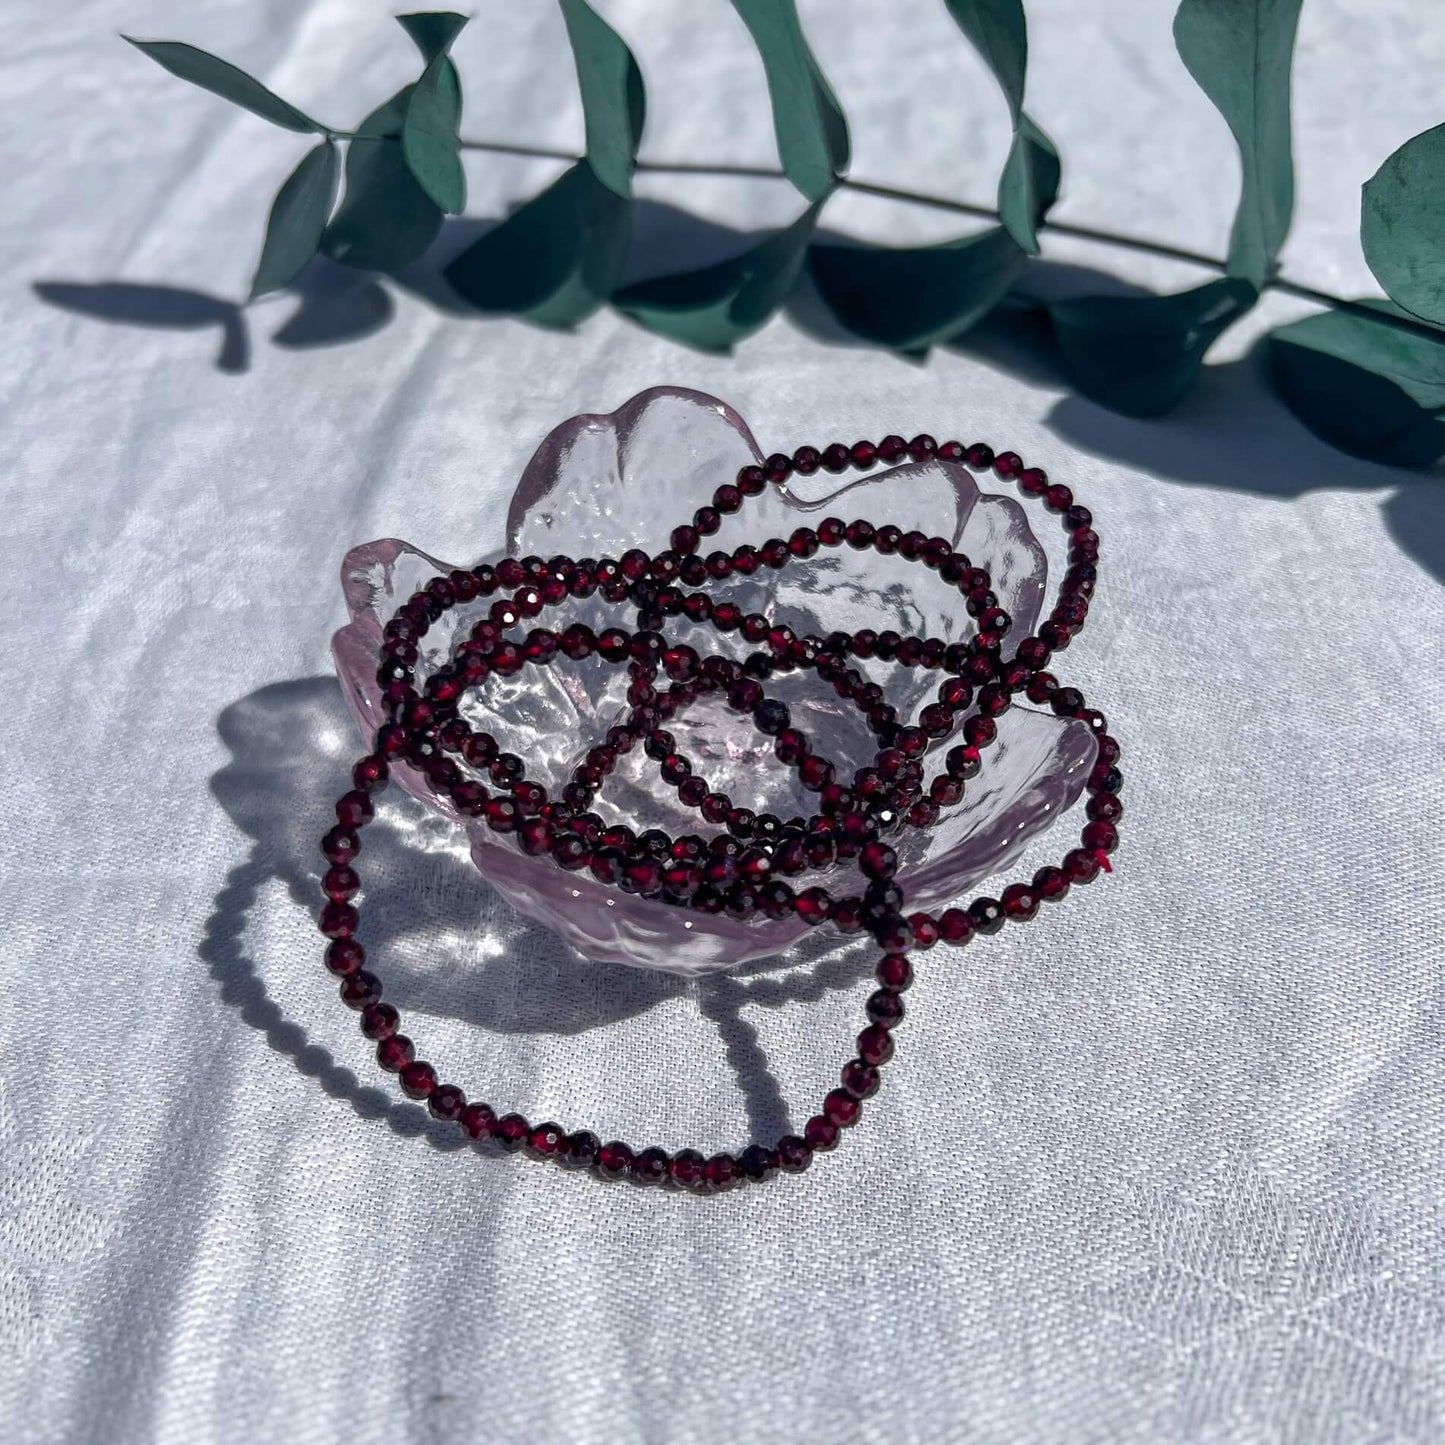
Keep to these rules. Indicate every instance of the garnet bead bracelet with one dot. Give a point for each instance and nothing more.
(743, 867)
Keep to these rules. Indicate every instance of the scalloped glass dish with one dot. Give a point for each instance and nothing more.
(600, 484)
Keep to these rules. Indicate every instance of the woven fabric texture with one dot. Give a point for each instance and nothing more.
(1163, 1166)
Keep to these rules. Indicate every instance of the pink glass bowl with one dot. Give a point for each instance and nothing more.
(600, 484)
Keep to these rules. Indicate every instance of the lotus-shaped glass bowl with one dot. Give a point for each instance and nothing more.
(601, 484)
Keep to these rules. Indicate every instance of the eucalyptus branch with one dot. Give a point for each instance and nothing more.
(1368, 375)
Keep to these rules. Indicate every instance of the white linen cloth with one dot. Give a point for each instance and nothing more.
(1163, 1166)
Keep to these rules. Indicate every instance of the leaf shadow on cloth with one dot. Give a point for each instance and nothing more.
(1230, 432)
(427, 907)
(333, 304)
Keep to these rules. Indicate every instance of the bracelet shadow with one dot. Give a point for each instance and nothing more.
(291, 745)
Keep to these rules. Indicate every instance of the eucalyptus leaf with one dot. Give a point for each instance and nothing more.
(1402, 225)
(912, 298)
(556, 259)
(433, 31)
(297, 220)
(1029, 184)
(613, 101)
(1373, 388)
(429, 135)
(998, 31)
(713, 307)
(385, 220)
(389, 117)
(811, 130)
(1239, 52)
(223, 79)
(1140, 354)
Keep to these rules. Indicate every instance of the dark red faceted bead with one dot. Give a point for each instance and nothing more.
(751, 480)
(794, 1153)
(860, 1080)
(835, 458)
(813, 905)
(360, 990)
(1020, 902)
(922, 447)
(819, 1135)
(395, 1053)
(1067, 702)
(686, 1168)
(650, 1166)
(803, 542)
(892, 449)
(815, 773)
(340, 883)
(478, 1121)
(1050, 884)
(1033, 482)
(956, 926)
(1058, 499)
(963, 763)
(987, 914)
(1008, 464)
(546, 1141)
(863, 454)
(338, 920)
(1081, 865)
(614, 1160)
(379, 1021)
(806, 460)
(340, 846)
(512, 1132)
(370, 774)
(344, 957)
(979, 455)
(1042, 687)
(1100, 836)
(885, 1007)
(418, 1079)
(580, 1149)
(1033, 651)
(894, 937)
(841, 1108)
(354, 809)
(446, 1102)
(894, 970)
(722, 1172)
(759, 1162)
(944, 791)
(875, 1045)
(1105, 806)
(979, 731)
(1105, 778)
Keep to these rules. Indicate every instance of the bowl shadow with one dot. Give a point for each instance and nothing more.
(290, 746)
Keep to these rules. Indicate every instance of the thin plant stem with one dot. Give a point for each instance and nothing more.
(1093, 234)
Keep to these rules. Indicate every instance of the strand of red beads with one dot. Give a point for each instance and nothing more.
(738, 870)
